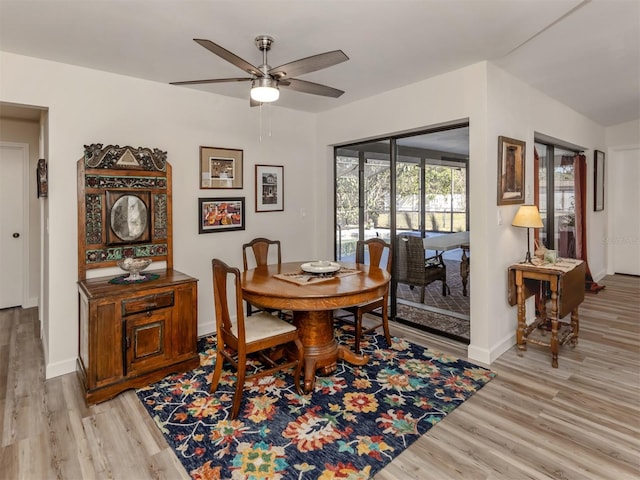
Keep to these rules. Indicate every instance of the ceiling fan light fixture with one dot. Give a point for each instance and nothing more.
(264, 90)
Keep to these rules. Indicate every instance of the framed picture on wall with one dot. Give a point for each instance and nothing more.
(510, 171)
(269, 188)
(221, 214)
(42, 178)
(220, 168)
(598, 180)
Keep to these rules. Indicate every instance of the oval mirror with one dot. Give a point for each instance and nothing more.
(129, 218)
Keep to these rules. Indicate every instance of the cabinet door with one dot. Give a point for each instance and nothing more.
(105, 344)
(148, 341)
(185, 322)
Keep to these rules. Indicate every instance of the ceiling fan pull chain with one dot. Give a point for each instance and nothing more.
(260, 135)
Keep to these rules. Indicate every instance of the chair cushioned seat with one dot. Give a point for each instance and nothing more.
(263, 325)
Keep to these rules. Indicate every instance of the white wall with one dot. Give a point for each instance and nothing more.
(624, 135)
(87, 106)
(495, 104)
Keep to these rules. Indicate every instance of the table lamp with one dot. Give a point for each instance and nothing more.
(528, 216)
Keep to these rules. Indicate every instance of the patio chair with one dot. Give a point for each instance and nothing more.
(377, 249)
(417, 271)
(262, 334)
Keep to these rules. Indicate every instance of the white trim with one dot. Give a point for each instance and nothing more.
(60, 368)
(486, 356)
(30, 302)
(207, 328)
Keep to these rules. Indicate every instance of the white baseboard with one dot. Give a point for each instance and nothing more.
(207, 328)
(31, 302)
(60, 368)
(480, 355)
(599, 276)
(488, 356)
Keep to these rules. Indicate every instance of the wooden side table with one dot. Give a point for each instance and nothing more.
(566, 282)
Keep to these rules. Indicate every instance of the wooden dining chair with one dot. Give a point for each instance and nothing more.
(274, 341)
(262, 249)
(378, 249)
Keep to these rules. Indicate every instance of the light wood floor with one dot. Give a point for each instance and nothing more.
(580, 421)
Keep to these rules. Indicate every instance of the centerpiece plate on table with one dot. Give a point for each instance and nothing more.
(321, 266)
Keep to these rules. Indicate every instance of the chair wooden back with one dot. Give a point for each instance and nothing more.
(376, 247)
(260, 248)
(222, 274)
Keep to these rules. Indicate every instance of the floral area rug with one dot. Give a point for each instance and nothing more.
(354, 422)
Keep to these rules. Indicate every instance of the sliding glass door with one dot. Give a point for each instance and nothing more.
(415, 185)
(363, 196)
(556, 198)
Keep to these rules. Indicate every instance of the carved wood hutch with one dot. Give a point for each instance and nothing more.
(132, 333)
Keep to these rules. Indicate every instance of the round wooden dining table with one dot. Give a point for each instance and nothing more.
(312, 304)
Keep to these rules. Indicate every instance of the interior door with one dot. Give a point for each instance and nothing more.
(625, 195)
(12, 164)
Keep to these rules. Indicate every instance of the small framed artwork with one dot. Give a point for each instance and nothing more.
(510, 171)
(221, 214)
(269, 188)
(220, 168)
(598, 181)
(42, 178)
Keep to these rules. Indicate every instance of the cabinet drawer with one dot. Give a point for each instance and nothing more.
(147, 303)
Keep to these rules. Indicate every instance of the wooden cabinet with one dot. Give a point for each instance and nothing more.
(135, 334)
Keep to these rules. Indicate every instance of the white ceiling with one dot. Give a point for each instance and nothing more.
(585, 54)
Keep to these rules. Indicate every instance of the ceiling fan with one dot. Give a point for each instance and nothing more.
(265, 80)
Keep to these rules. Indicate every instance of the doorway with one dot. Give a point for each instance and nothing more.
(25, 126)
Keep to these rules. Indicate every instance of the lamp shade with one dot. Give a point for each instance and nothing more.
(527, 216)
(264, 90)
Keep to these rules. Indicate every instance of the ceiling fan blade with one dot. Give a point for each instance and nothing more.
(308, 64)
(211, 80)
(229, 57)
(310, 87)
